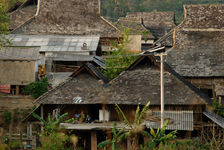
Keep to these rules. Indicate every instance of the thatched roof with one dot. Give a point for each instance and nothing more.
(75, 17)
(159, 23)
(204, 16)
(137, 85)
(21, 13)
(86, 82)
(141, 83)
(198, 49)
(135, 26)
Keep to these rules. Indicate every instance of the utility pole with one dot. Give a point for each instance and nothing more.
(160, 51)
(162, 86)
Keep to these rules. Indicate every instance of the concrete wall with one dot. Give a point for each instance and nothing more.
(17, 72)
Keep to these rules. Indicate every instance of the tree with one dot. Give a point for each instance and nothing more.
(36, 89)
(3, 25)
(118, 136)
(121, 58)
(53, 137)
(158, 138)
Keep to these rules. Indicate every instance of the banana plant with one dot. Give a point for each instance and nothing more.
(134, 128)
(118, 136)
(49, 124)
(159, 137)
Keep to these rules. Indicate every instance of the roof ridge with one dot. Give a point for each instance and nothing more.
(169, 33)
(203, 5)
(108, 22)
(19, 8)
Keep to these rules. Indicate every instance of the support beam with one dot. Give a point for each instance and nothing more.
(93, 140)
(42, 116)
(17, 89)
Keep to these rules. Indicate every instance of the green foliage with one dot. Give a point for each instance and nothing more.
(159, 138)
(120, 59)
(3, 25)
(118, 136)
(7, 116)
(54, 141)
(184, 145)
(53, 138)
(136, 127)
(139, 118)
(218, 108)
(36, 89)
(15, 145)
(50, 125)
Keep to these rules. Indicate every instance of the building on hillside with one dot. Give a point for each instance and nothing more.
(79, 18)
(198, 52)
(158, 23)
(56, 30)
(88, 93)
(19, 67)
(60, 54)
(143, 37)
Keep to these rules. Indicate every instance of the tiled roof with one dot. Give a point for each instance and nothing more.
(138, 85)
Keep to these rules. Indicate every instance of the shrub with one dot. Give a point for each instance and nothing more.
(36, 89)
(7, 116)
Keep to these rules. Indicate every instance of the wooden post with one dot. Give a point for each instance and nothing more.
(93, 140)
(220, 100)
(27, 129)
(129, 144)
(104, 111)
(42, 116)
(31, 127)
(17, 89)
(109, 136)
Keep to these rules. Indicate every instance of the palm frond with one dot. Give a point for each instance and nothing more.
(103, 144)
(39, 118)
(121, 113)
(136, 122)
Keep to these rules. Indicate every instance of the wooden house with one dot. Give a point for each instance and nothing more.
(88, 93)
(157, 22)
(197, 52)
(141, 36)
(18, 67)
(66, 38)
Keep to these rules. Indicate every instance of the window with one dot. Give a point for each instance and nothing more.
(208, 92)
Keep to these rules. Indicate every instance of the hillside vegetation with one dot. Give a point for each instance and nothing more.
(113, 9)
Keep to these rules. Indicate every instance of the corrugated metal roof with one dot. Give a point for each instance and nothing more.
(181, 120)
(69, 57)
(56, 43)
(215, 117)
(20, 53)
